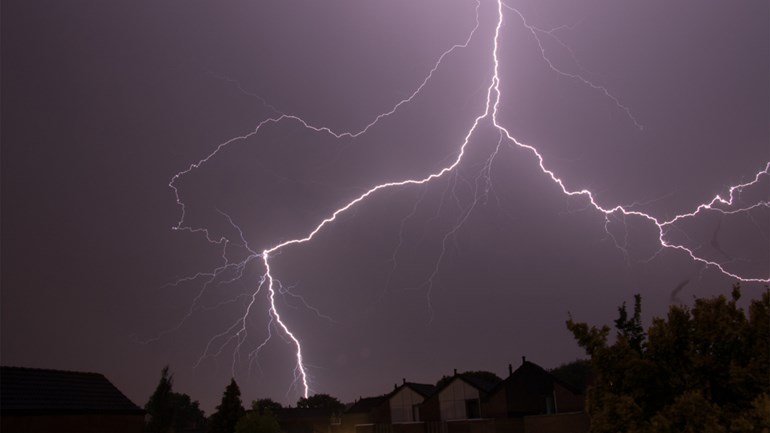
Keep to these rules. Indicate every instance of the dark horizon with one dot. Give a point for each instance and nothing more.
(654, 107)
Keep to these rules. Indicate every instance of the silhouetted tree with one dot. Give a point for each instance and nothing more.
(260, 419)
(264, 404)
(631, 330)
(170, 411)
(187, 413)
(703, 369)
(160, 409)
(576, 373)
(229, 411)
(321, 401)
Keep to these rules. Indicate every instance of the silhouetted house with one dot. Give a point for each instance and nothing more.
(405, 401)
(529, 400)
(536, 401)
(457, 405)
(365, 414)
(459, 398)
(531, 390)
(372, 410)
(36, 400)
(396, 412)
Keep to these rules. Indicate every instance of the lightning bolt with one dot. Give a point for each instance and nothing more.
(237, 332)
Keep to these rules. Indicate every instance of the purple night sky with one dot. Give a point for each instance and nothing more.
(657, 106)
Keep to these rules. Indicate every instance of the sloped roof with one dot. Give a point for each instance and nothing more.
(367, 404)
(545, 373)
(537, 373)
(480, 383)
(38, 391)
(424, 389)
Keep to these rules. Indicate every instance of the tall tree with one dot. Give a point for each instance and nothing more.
(170, 411)
(703, 368)
(160, 407)
(229, 411)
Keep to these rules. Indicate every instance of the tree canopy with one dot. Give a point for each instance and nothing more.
(700, 369)
(260, 419)
(576, 373)
(266, 404)
(321, 401)
(171, 411)
(229, 411)
(187, 413)
(160, 406)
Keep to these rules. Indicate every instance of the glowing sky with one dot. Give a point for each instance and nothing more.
(103, 104)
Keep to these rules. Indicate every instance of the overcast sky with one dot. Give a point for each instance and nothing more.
(655, 105)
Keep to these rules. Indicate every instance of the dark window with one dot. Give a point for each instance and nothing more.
(415, 412)
(472, 409)
(550, 406)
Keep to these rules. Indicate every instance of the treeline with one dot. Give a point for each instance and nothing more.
(169, 411)
(704, 368)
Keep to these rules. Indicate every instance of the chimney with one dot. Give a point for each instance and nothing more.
(455, 372)
(403, 381)
(395, 386)
(510, 369)
(523, 359)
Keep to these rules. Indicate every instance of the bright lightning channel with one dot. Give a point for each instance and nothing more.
(237, 332)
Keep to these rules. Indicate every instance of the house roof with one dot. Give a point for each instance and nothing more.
(543, 371)
(485, 385)
(366, 404)
(480, 383)
(535, 371)
(424, 389)
(38, 391)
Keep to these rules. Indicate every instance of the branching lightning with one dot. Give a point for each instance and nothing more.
(237, 332)
(535, 31)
